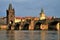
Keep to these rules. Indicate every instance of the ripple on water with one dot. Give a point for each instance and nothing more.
(28, 35)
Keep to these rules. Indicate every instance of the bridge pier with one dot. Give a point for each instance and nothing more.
(31, 26)
(58, 26)
(44, 26)
(12, 27)
(20, 27)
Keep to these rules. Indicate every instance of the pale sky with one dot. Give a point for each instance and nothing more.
(31, 7)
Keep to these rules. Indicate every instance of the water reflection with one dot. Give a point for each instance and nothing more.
(19, 35)
(25, 35)
(58, 32)
(32, 35)
(10, 35)
(43, 35)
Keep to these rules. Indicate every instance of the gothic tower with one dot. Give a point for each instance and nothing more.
(10, 15)
(42, 15)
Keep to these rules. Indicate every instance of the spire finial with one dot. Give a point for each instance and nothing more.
(42, 10)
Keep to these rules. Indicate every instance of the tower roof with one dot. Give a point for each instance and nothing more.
(10, 6)
(42, 10)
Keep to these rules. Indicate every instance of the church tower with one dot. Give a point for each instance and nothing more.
(10, 14)
(42, 15)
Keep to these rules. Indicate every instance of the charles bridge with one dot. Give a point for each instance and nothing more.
(31, 24)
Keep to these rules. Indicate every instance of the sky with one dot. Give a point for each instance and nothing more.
(31, 7)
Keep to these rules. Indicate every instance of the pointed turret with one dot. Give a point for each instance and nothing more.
(10, 6)
(42, 10)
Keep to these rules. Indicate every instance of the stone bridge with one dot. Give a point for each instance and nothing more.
(38, 25)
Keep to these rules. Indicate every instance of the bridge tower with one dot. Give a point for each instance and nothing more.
(10, 15)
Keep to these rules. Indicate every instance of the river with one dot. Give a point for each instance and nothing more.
(29, 35)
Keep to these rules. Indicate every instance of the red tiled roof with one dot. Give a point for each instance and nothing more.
(18, 17)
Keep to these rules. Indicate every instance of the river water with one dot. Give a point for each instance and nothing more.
(29, 35)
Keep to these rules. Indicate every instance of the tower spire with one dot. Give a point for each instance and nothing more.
(10, 5)
(10, 13)
(42, 10)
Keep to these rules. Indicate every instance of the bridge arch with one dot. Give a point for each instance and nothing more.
(52, 25)
(16, 27)
(25, 26)
(37, 25)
